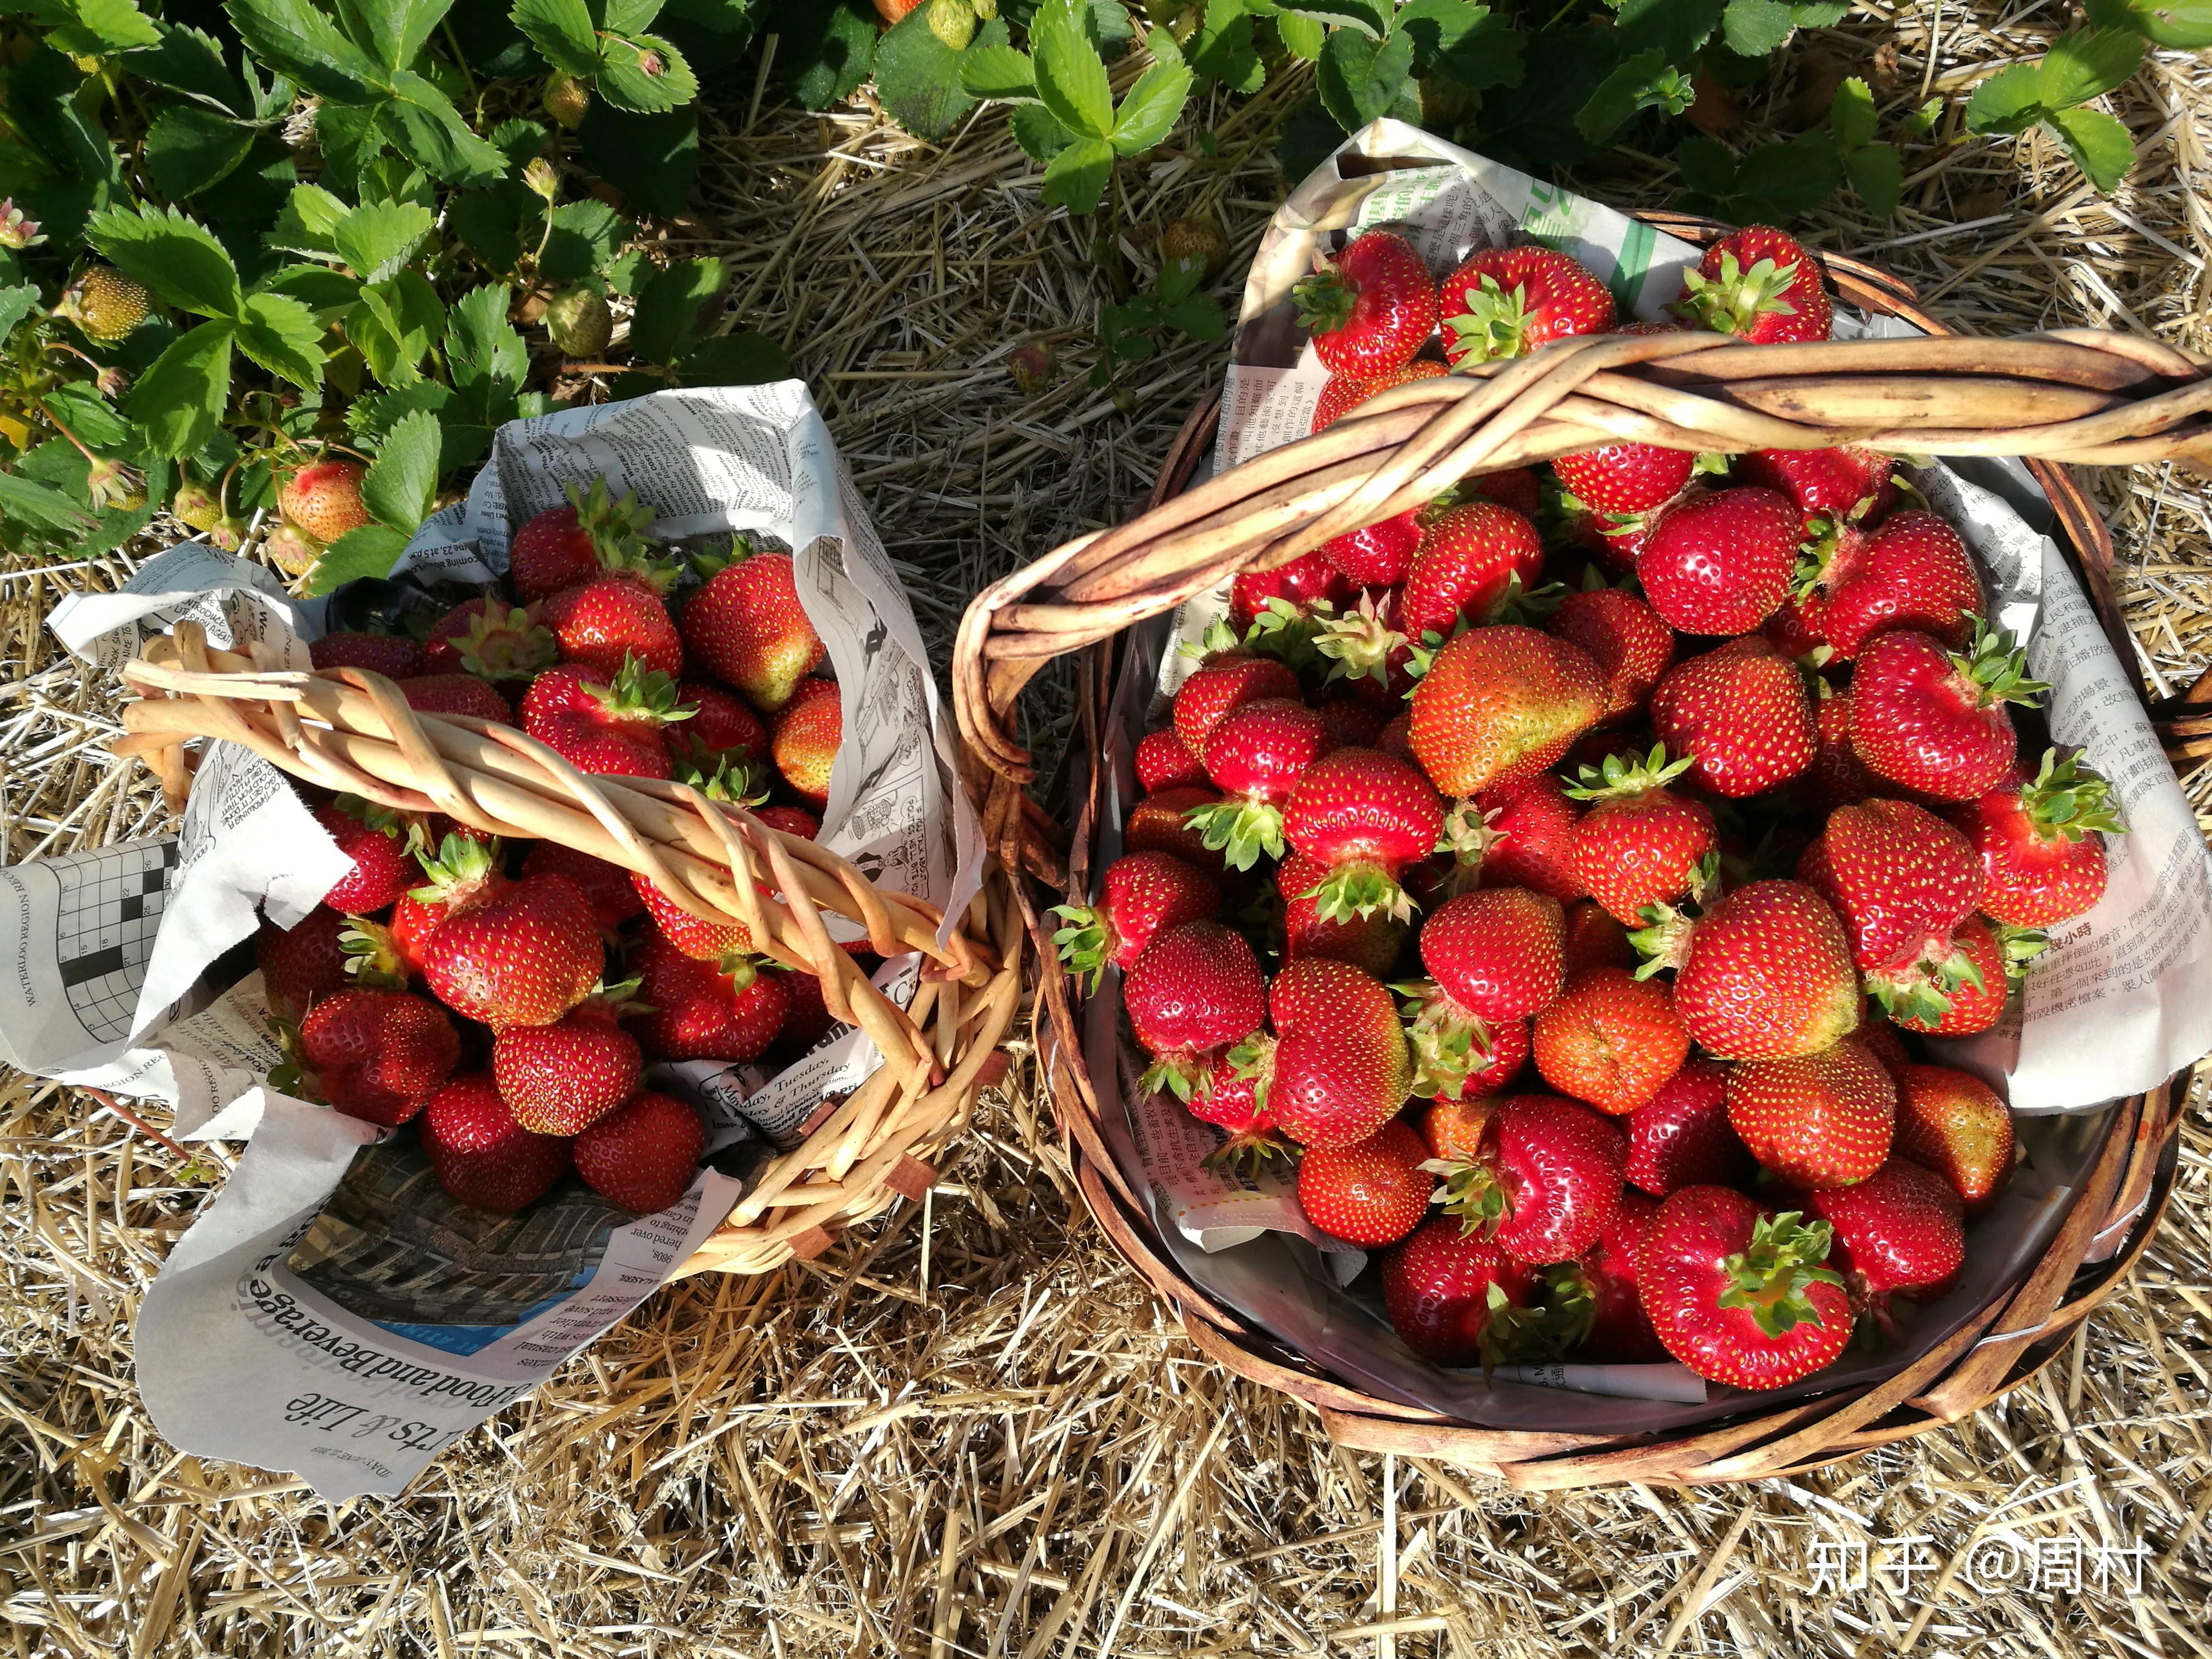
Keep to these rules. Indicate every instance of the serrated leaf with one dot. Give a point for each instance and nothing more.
(668, 308)
(489, 223)
(562, 31)
(1675, 27)
(645, 74)
(919, 79)
(2099, 145)
(1149, 109)
(1877, 175)
(1753, 29)
(300, 42)
(2008, 101)
(1466, 43)
(585, 237)
(1851, 117)
(518, 140)
(184, 60)
(370, 551)
(649, 158)
(2086, 65)
(1040, 136)
(396, 29)
(281, 335)
(740, 359)
(309, 222)
(1222, 53)
(322, 290)
(402, 480)
(17, 302)
(90, 417)
(395, 324)
(176, 257)
(349, 136)
(178, 401)
(377, 238)
(1371, 18)
(1707, 165)
(998, 72)
(481, 345)
(423, 124)
(1361, 79)
(1200, 317)
(2184, 25)
(823, 50)
(27, 502)
(1070, 75)
(1075, 178)
(1782, 181)
(1619, 95)
(370, 418)
(1302, 37)
(93, 28)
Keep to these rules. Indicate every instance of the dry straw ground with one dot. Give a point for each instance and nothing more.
(969, 1431)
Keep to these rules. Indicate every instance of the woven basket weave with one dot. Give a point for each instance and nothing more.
(2067, 396)
(349, 730)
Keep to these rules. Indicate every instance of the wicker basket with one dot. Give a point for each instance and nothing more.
(349, 730)
(2073, 395)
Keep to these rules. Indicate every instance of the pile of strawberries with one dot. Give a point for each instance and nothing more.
(1689, 781)
(453, 982)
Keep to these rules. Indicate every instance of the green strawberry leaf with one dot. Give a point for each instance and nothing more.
(180, 400)
(2086, 65)
(370, 551)
(2185, 25)
(422, 122)
(39, 505)
(1149, 109)
(188, 148)
(2011, 100)
(1850, 116)
(1362, 79)
(563, 32)
(998, 72)
(1878, 176)
(2099, 145)
(921, 81)
(178, 258)
(301, 42)
(668, 308)
(281, 335)
(645, 74)
(740, 359)
(824, 48)
(378, 239)
(1070, 75)
(1075, 179)
(402, 482)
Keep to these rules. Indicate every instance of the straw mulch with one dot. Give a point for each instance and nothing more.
(969, 1431)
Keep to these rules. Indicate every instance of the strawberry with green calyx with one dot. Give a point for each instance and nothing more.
(1595, 1298)
(1610, 1039)
(1163, 762)
(1954, 1124)
(1306, 583)
(104, 303)
(1337, 1069)
(2040, 842)
(1365, 817)
(1759, 285)
(1543, 1182)
(1641, 844)
(1741, 713)
(805, 738)
(303, 963)
(690, 1009)
(1721, 563)
(1764, 974)
(1160, 823)
(1956, 988)
(508, 952)
(491, 640)
(1898, 1233)
(1500, 704)
(725, 942)
(643, 1155)
(1229, 1100)
(1256, 756)
(721, 727)
(1465, 564)
(719, 777)
(372, 956)
(1457, 1298)
(600, 624)
(482, 1154)
(1844, 485)
(1369, 651)
(565, 545)
(1342, 393)
(1506, 302)
(1373, 941)
(602, 725)
(462, 695)
(1379, 555)
(1680, 1137)
(1140, 895)
(392, 655)
(322, 499)
(1900, 878)
(380, 870)
(377, 1055)
(1740, 1295)
(1934, 721)
(1818, 1120)
(1496, 952)
(1370, 1193)
(1527, 838)
(1595, 938)
(1457, 1054)
(1370, 309)
(1625, 477)
(1228, 678)
(561, 1078)
(1192, 991)
(747, 627)
(1623, 636)
(1913, 573)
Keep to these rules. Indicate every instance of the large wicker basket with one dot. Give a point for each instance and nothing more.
(2070, 396)
(349, 730)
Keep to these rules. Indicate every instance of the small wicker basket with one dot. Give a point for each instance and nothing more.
(349, 730)
(2067, 396)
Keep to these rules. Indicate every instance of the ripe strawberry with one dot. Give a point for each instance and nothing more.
(381, 870)
(1759, 285)
(1371, 310)
(1496, 952)
(1837, 777)
(1516, 487)
(392, 655)
(1500, 704)
(1883, 1041)
(490, 639)
(1899, 876)
(1363, 815)
(1913, 573)
(606, 886)
(1161, 823)
(604, 724)
(1256, 756)
(1192, 992)
(1640, 844)
(807, 1020)
(1543, 1182)
(1343, 393)
(1373, 942)
(695, 1011)
(728, 944)
(1935, 722)
(1847, 485)
(1738, 1294)
(1353, 724)
(1529, 840)
(747, 626)
(1955, 988)
(1625, 477)
(721, 727)
(1163, 762)
(322, 498)
(1372, 1193)
(1680, 1137)
(643, 1155)
(1765, 974)
(518, 953)
(1468, 559)
(1721, 563)
(808, 731)
(1456, 1056)
(105, 304)
(1396, 737)
(1595, 1298)
(1741, 715)
(302, 964)
(1336, 1070)
(1453, 1129)
(1819, 1119)
(374, 1054)
(1594, 938)
(1611, 1039)
(1618, 542)
(2040, 842)
(1377, 556)
(1897, 1233)
(792, 821)
(1506, 302)
(560, 1078)
(1140, 895)
(464, 694)
(1302, 583)
(1955, 1124)
(1370, 649)
(481, 1154)
(602, 622)
(1624, 637)
(565, 545)
(1444, 1290)
(1225, 681)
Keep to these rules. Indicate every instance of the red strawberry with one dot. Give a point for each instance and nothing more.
(1846, 484)
(1934, 722)
(392, 655)
(490, 639)
(324, 499)
(1955, 1124)
(1298, 585)
(1595, 939)
(728, 944)
(1617, 542)
(1819, 1119)
(1230, 1100)
(1640, 844)
(1500, 704)
(1530, 837)
(1192, 992)
(1161, 823)
(1680, 1137)
(1496, 952)
(1759, 285)
(1836, 777)
(1721, 563)
(302, 964)
(1378, 555)
(1225, 681)
(1611, 1039)
(1956, 987)
(1453, 1129)
(1900, 877)
(558, 1078)
(1625, 477)
(1457, 1057)
(520, 953)
(1396, 737)
(1506, 302)
(1336, 1070)
(643, 1155)
(381, 870)
(1353, 724)
(792, 821)
(1913, 573)
(565, 545)
(807, 1019)
(1741, 715)
(1794, 630)
(613, 901)
(1364, 816)
(602, 622)
(1372, 942)
(1344, 392)
(1596, 1298)
(747, 626)
(1882, 1041)
(2040, 842)
(1624, 637)
(601, 724)
(1738, 1294)
(457, 694)
(1444, 1290)
(1256, 756)
(1545, 1180)
(1369, 649)
(1897, 1233)
(1468, 558)
(375, 1055)
(1764, 974)
(695, 1011)
(1372, 1193)
(481, 1154)
(721, 726)
(1163, 762)
(1140, 895)
(1371, 310)
(808, 731)
(1516, 487)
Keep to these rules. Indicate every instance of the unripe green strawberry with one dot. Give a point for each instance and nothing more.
(1196, 238)
(196, 506)
(289, 551)
(578, 322)
(322, 499)
(105, 304)
(952, 21)
(565, 100)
